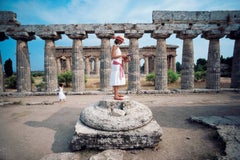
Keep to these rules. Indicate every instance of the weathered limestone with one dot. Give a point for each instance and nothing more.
(105, 58)
(50, 63)
(187, 72)
(78, 81)
(23, 61)
(134, 64)
(161, 67)
(235, 78)
(213, 62)
(111, 124)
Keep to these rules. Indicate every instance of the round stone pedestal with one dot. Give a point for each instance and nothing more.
(113, 124)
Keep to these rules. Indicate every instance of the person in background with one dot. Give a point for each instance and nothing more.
(61, 95)
(117, 77)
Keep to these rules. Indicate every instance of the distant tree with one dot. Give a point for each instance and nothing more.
(178, 67)
(8, 68)
(201, 65)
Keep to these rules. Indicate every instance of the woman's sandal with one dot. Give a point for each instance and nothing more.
(118, 98)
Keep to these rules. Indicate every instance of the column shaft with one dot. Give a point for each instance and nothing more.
(146, 65)
(134, 66)
(23, 67)
(1, 76)
(50, 66)
(77, 66)
(235, 82)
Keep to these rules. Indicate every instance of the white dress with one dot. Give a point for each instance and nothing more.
(61, 95)
(117, 77)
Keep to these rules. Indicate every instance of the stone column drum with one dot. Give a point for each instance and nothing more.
(187, 72)
(213, 61)
(161, 79)
(134, 65)
(111, 124)
(50, 64)
(1, 76)
(77, 62)
(23, 61)
(105, 59)
(235, 77)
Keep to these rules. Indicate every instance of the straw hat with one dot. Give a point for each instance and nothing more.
(120, 38)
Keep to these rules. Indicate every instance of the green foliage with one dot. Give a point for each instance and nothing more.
(8, 68)
(151, 77)
(41, 86)
(200, 75)
(178, 67)
(66, 78)
(37, 73)
(172, 76)
(201, 65)
(11, 82)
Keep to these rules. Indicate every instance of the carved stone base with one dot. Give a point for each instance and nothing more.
(147, 136)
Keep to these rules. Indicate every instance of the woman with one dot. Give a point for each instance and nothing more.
(117, 74)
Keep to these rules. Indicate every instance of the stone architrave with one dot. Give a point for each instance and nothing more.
(1, 75)
(50, 64)
(187, 72)
(78, 81)
(23, 61)
(134, 65)
(235, 77)
(161, 79)
(105, 58)
(213, 61)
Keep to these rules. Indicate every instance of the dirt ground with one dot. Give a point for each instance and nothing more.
(28, 132)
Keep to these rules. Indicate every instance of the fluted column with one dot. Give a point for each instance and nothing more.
(1, 75)
(146, 65)
(161, 67)
(235, 77)
(96, 65)
(58, 65)
(134, 65)
(50, 63)
(213, 61)
(24, 83)
(187, 72)
(105, 58)
(78, 81)
(87, 66)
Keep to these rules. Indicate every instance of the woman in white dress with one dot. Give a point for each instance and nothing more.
(61, 95)
(117, 73)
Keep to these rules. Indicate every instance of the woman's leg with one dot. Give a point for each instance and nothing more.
(116, 94)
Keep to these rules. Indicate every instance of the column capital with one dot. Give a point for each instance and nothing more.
(25, 36)
(49, 35)
(134, 33)
(234, 35)
(77, 35)
(161, 34)
(188, 34)
(102, 33)
(213, 34)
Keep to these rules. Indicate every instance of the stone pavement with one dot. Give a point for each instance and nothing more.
(228, 129)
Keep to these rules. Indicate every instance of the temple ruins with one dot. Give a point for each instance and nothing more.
(187, 25)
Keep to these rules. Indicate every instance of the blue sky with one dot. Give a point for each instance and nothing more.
(30, 12)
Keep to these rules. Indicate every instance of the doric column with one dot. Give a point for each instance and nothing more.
(146, 65)
(50, 63)
(134, 64)
(78, 81)
(1, 75)
(235, 77)
(23, 61)
(161, 67)
(96, 65)
(58, 65)
(187, 72)
(105, 58)
(87, 66)
(173, 59)
(213, 61)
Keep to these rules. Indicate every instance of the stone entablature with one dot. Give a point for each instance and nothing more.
(211, 25)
